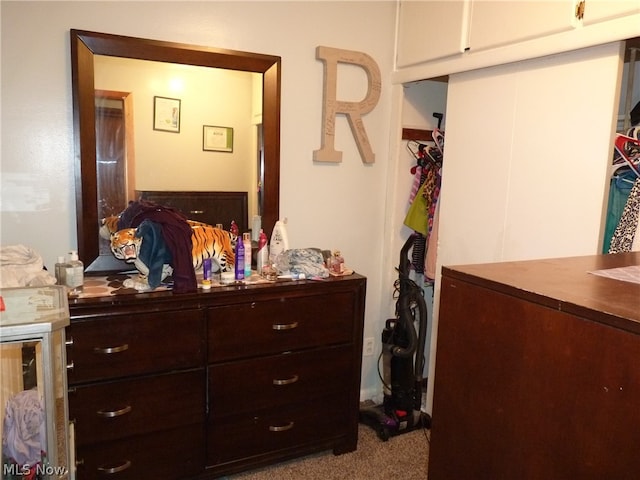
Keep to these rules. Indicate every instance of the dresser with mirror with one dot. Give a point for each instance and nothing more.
(202, 384)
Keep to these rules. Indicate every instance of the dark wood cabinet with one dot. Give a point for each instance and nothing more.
(536, 371)
(206, 384)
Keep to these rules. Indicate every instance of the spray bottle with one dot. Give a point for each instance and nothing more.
(239, 266)
(263, 251)
(246, 240)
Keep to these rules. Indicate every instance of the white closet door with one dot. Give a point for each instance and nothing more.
(528, 147)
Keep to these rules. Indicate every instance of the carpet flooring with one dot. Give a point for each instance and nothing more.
(404, 456)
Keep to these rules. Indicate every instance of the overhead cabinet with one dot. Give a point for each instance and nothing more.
(431, 30)
(497, 23)
(602, 10)
(453, 32)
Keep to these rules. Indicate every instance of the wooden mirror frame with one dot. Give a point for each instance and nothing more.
(84, 45)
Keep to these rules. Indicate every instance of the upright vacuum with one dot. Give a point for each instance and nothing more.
(402, 360)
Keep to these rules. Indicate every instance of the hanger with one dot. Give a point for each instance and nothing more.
(629, 149)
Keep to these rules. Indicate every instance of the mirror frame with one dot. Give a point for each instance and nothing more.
(86, 44)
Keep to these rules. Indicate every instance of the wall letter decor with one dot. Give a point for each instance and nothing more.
(354, 110)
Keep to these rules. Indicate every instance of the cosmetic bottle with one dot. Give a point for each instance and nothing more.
(239, 266)
(279, 241)
(74, 274)
(263, 251)
(60, 271)
(246, 240)
(234, 228)
(206, 274)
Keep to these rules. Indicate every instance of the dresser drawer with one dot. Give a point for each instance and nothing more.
(172, 454)
(113, 410)
(278, 380)
(123, 345)
(259, 433)
(274, 326)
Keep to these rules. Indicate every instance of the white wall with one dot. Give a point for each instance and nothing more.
(335, 206)
(176, 161)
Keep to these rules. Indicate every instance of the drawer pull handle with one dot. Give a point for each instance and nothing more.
(118, 468)
(284, 326)
(281, 428)
(110, 350)
(114, 413)
(196, 212)
(286, 381)
(70, 366)
(69, 342)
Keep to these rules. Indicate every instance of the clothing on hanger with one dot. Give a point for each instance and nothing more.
(623, 236)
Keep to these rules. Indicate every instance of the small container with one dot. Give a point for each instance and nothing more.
(337, 262)
(270, 273)
(227, 278)
(206, 274)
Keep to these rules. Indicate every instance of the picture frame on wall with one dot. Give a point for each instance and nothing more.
(166, 114)
(217, 139)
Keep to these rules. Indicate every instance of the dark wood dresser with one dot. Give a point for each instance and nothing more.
(537, 372)
(202, 385)
(207, 207)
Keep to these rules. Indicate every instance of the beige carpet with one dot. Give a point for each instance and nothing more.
(404, 456)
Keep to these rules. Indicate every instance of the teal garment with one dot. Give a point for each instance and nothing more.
(619, 189)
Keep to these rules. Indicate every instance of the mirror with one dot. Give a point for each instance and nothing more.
(86, 48)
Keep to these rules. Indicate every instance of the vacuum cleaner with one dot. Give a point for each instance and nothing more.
(402, 360)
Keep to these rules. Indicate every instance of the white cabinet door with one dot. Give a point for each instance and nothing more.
(497, 23)
(430, 30)
(602, 10)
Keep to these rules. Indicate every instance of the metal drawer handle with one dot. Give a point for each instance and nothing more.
(284, 326)
(109, 350)
(119, 468)
(69, 342)
(282, 428)
(70, 366)
(114, 413)
(196, 212)
(286, 381)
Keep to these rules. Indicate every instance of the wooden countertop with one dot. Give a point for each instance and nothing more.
(564, 284)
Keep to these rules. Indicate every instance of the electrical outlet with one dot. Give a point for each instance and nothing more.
(368, 346)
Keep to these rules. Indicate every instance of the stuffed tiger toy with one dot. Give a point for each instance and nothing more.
(126, 244)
